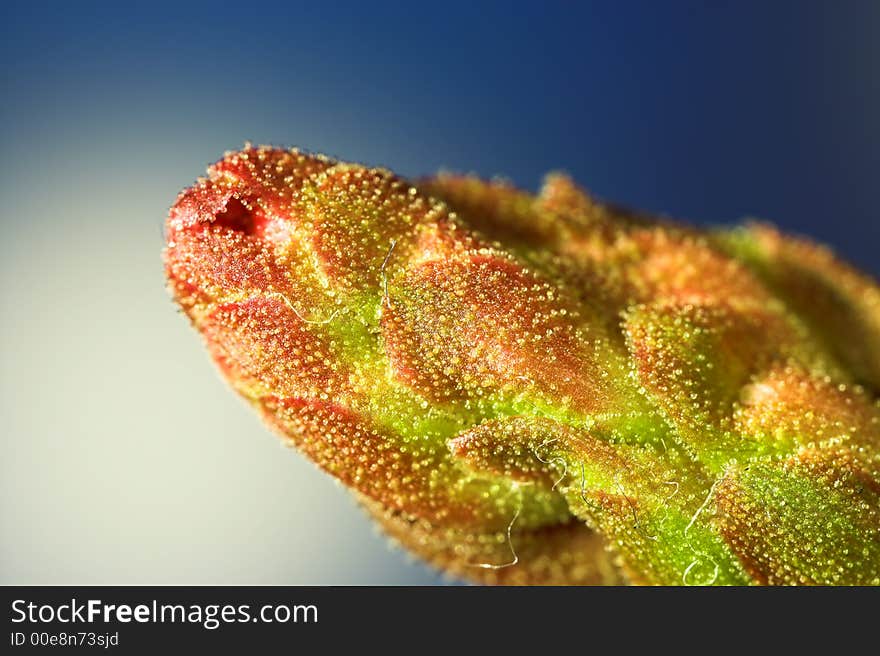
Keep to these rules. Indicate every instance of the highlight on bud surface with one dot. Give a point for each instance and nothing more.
(546, 389)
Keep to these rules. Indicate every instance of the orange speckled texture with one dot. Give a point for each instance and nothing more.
(546, 389)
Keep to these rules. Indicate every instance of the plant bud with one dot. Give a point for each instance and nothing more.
(546, 389)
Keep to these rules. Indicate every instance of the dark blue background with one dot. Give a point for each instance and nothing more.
(704, 110)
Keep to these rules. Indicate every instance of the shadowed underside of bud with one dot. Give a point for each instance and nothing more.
(546, 389)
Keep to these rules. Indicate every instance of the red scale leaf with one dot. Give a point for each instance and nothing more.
(482, 323)
(416, 479)
(266, 348)
(360, 218)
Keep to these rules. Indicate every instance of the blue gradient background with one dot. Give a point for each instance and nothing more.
(125, 459)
